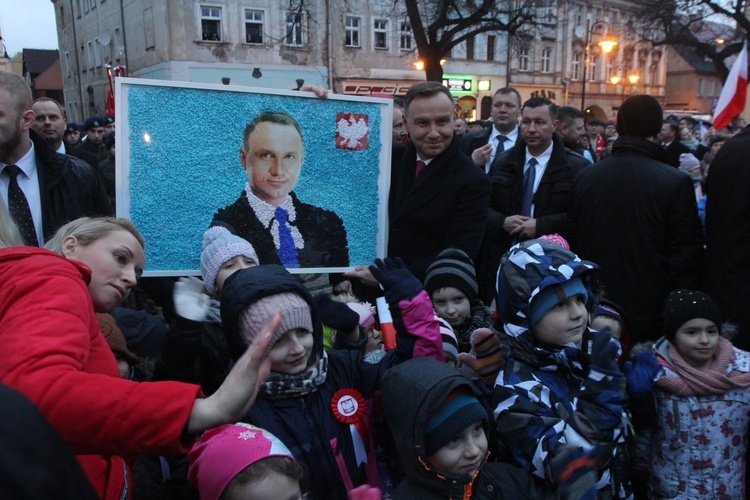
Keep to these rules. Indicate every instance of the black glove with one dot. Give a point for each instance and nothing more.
(397, 281)
(604, 352)
(336, 314)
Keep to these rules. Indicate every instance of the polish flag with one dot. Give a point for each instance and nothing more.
(732, 99)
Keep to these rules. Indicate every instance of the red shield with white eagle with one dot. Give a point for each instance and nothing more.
(352, 131)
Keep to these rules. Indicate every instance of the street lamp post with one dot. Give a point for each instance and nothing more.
(607, 45)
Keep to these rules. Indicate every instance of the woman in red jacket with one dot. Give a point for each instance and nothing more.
(54, 354)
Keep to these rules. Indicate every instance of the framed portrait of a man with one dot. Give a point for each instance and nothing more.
(303, 179)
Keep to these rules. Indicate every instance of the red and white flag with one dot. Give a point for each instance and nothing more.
(732, 99)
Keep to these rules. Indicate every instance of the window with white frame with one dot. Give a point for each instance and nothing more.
(575, 69)
(546, 60)
(67, 63)
(700, 87)
(380, 33)
(90, 55)
(579, 14)
(210, 23)
(523, 59)
(405, 38)
(614, 19)
(83, 58)
(97, 52)
(352, 31)
(593, 68)
(107, 53)
(610, 67)
(294, 29)
(254, 26)
(119, 48)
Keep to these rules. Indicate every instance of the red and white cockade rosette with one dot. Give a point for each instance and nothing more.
(349, 407)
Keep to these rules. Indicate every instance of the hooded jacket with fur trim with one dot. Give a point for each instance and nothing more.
(410, 392)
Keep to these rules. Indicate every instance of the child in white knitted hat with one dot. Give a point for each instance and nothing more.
(195, 349)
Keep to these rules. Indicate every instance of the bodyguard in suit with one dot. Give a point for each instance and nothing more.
(50, 123)
(485, 145)
(532, 185)
(438, 198)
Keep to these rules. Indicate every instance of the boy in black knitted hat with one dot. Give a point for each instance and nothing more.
(451, 282)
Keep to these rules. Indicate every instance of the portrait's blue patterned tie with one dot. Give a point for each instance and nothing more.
(19, 209)
(528, 187)
(286, 252)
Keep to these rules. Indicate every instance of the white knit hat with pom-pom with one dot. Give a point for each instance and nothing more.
(219, 245)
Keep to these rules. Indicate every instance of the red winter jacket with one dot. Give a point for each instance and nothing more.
(53, 353)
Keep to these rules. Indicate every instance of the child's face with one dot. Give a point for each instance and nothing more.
(273, 486)
(464, 453)
(564, 323)
(697, 341)
(451, 304)
(291, 353)
(601, 322)
(230, 267)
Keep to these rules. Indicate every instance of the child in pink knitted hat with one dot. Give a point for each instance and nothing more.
(239, 461)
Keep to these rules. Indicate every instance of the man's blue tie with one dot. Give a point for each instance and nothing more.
(528, 187)
(286, 252)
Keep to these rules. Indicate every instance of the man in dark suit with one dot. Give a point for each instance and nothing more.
(670, 140)
(531, 189)
(268, 214)
(438, 198)
(485, 145)
(50, 123)
(52, 189)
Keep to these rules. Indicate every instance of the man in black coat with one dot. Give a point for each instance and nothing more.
(50, 123)
(727, 266)
(670, 140)
(57, 188)
(438, 198)
(268, 214)
(636, 217)
(485, 145)
(551, 190)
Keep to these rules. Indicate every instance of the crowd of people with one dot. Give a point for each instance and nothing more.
(559, 312)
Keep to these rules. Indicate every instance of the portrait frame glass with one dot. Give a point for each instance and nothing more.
(177, 163)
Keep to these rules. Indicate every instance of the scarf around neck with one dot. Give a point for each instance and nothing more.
(285, 386)
(711, 378)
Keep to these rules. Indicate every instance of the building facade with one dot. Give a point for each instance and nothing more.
(552, 60)
(355, 47)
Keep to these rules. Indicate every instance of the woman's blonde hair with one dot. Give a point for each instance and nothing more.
(9, 234)
(89, 229)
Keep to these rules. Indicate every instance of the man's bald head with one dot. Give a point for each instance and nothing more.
(18, 89)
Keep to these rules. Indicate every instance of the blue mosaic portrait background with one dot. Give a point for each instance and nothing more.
(184, 165)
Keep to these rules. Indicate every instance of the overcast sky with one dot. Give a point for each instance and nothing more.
(27, 24)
